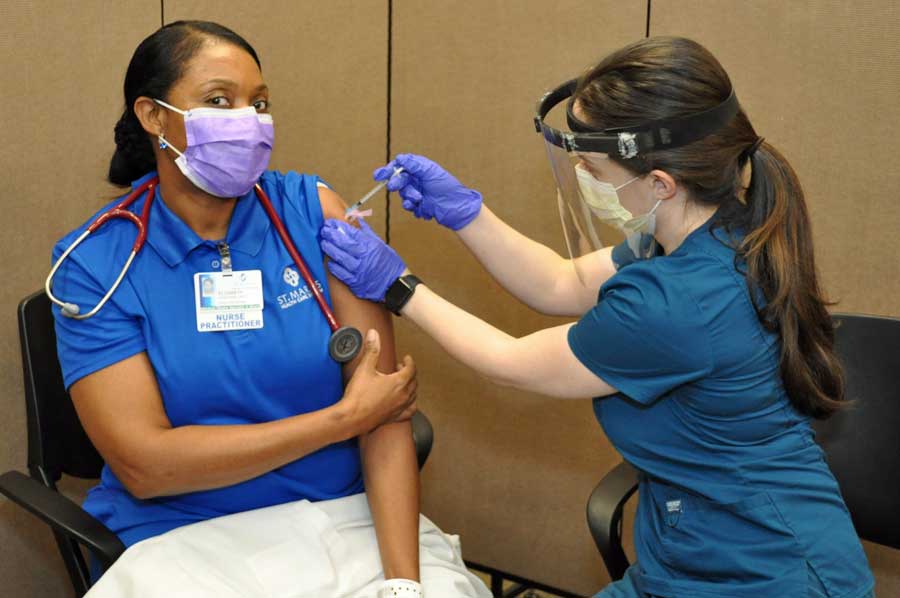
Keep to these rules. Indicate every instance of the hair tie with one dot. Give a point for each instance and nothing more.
(752, 149)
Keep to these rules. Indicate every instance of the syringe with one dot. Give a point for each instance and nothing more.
(355, 207)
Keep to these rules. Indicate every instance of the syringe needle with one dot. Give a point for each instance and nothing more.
(371, 193)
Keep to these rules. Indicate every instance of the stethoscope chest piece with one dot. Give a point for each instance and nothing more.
(345, 344)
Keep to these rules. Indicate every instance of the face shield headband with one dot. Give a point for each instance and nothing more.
(629, 142)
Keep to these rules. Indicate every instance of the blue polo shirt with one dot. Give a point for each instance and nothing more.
(210, 378)
(736, 499)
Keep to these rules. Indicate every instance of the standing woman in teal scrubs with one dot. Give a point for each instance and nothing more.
(704, 337)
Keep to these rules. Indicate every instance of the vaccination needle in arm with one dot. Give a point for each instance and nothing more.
(354, 210)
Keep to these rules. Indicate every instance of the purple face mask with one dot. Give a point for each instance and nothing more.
(227, 150)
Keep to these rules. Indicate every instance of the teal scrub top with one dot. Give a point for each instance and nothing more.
(736, 499)
(210, 378)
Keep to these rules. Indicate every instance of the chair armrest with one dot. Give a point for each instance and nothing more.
(604, 515)
(423, 436)
(62, 515)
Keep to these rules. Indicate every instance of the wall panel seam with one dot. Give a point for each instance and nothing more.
(647, 31)
(387, 136)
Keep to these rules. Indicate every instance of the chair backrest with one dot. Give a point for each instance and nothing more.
(57, 442)
(862, 442)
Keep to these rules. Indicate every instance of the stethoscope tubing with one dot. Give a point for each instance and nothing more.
(120, 210)
(345, 342)
(298, 259)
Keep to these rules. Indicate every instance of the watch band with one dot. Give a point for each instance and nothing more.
(400, 292)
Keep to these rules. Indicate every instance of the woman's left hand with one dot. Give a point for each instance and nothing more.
(360, 259)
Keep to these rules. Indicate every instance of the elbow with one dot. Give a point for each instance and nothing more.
(142, 491)
(392, 435)
(507, 372)
(555, 304)
(140, 477)
(386, 444)
(502, 380)
(550, 301)
(542, 306)
(514, 366)
(522, 383)
(138, 484)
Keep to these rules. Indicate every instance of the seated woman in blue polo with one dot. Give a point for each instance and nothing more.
(205, 380)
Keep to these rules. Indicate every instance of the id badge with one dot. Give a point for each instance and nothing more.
(228, 300)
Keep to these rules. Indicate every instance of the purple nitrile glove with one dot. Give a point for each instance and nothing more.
(360, 259)
(429, 191)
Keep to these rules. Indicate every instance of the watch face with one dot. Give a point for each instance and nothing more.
(397, 295)
(400, 292)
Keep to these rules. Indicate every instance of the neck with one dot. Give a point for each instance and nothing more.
(207, 215)
(675, 224)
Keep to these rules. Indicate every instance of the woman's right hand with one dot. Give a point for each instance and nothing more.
(429, 191)
(372, 398)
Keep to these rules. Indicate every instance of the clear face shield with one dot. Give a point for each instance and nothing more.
(590, 211)
(589, 207)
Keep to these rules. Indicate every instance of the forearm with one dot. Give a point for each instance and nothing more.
(470, 340)
(192, 458)
(503, 251)
(392, 488)
(530, 271)
(388, 454)
(540, 362)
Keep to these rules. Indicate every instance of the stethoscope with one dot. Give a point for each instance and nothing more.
(345, 341)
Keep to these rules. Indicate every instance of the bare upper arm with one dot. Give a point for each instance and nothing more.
(333, 205)
(352, 311)
(543, 362)
(580, 280)
(121, 409)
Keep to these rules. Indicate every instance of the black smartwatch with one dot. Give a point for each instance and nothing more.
(400, 292)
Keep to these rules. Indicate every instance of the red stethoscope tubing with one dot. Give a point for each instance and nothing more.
(120, 211)
(298, 259)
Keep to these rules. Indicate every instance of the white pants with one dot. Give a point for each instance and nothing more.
(326, 549)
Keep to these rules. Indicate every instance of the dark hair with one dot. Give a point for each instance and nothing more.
(666, 77)
(158, 63)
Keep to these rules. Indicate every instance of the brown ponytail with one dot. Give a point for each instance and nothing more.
(778, 252)
(670, 77)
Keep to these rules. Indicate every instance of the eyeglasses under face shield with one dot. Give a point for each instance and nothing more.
(572, 153)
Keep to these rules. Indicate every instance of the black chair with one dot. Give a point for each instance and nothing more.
(861, 443)
(57, 444)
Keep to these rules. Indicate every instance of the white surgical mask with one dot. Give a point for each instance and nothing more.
(603, 200)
